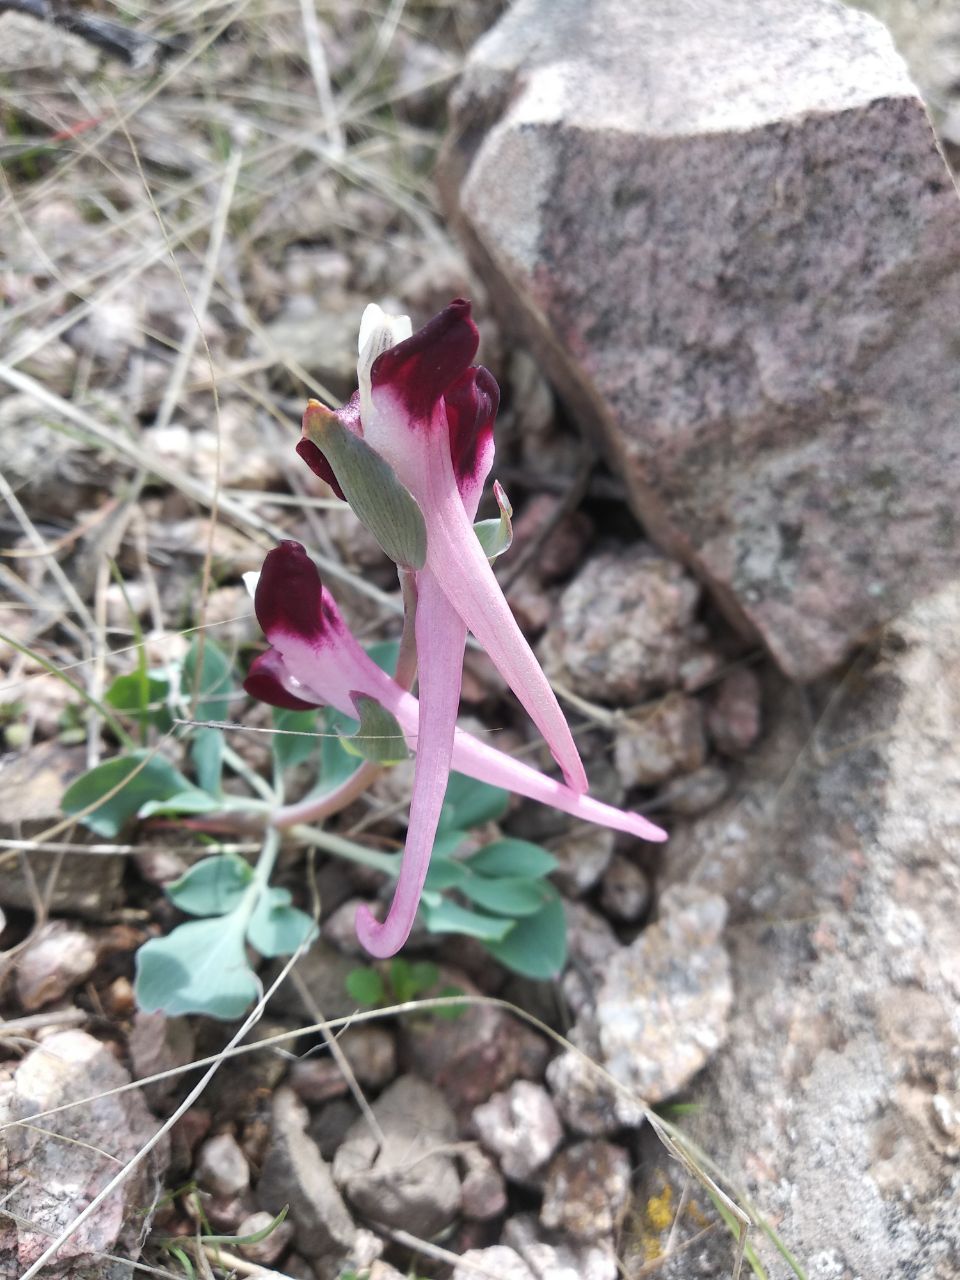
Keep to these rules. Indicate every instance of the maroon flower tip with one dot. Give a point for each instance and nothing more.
(265, 683)
(421, 368)
(289, 596)
(471, 403)
(318, 464)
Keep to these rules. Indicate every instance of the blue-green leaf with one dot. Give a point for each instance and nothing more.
(213, 686)
(276, 928)
(444, 873)
(211, 887)
(509, 896)
(297, 740)
(336, 764)
(537, 945)
(215, 683)
(201, 967)
(206, 752)
(141, 695)
(447, 917)
(469, 803)
(184, 802)
(156, 780)
(512, 858)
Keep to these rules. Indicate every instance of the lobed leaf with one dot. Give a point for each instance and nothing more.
(511, 857)
(201, 967)
(156, 780)
(536, 947)
(469, 803)
(509, 896)
(447, 917)
(212, 887)
(276, 928)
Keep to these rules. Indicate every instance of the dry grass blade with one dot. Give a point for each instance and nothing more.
(239, 514)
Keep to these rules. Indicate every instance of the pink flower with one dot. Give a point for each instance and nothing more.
(314, 660)
(411, 452)
(428, 414)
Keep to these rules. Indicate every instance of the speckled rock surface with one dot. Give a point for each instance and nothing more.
(522, 1129)
(623, 627)
(551, 1255)
(410, 1182)
(498, 1260)
(836, 1099)
(661, 742)
(50, 1173)
(586, 1191)
(728, 233)
(660, 1010)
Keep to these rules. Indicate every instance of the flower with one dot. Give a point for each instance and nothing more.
(314, 660)
(427, 415)
(410, 452)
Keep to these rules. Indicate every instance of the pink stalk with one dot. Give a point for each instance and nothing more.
(316, 808)
(440, 640)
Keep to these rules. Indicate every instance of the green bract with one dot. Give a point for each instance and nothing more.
(377, 497)
(379, 737)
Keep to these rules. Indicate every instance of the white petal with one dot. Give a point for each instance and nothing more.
(378, 333)
(390, 329)
(250, 581)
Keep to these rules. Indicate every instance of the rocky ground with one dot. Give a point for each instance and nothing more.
(218, 214)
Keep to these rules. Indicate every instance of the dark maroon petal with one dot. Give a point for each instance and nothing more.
(471, 404)
(421, 368)
(265, 683)
(349, 416)
(289, 596)
(318, 464)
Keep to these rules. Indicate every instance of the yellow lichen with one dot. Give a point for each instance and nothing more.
(660, 1209)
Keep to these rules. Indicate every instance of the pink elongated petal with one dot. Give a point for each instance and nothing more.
(440, 639)
(471, 404)
(419, 370)
(485, 763)
(269, 681)
(456, 559)
(479, 760)
(349, 416)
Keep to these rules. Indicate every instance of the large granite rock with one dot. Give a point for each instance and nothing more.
(728, 233)
(836, 1098)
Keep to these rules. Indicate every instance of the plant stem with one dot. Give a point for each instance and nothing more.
(250, 776)
(312, 810)
(388, 863)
